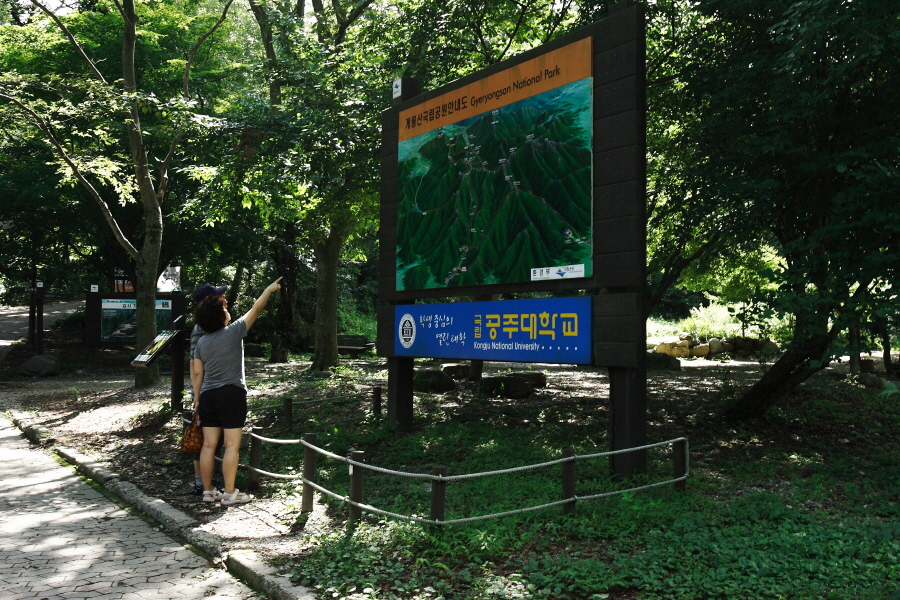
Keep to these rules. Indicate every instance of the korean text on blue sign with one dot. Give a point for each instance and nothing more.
(553, 330)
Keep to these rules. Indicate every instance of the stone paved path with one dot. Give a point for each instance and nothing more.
(60, 539)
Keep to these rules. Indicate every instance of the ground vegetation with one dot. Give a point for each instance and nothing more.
(802, 503)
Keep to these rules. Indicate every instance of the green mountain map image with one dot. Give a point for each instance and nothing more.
(488, 199)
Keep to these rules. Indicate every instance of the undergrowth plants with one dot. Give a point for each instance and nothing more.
(802, 504)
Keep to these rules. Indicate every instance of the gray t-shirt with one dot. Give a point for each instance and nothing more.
(222, 354)
(196, 334)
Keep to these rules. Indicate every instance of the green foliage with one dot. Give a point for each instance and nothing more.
(713, 320)
(352, 321)
(74, 321)
(800, 505)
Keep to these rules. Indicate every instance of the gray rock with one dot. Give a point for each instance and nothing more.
(456, 370)
(432, 381)
(42, 365)
(254, 351)
(318, 374)
(662, 362)
(505, 387)
(279, 355)
(715, 346)
(871, 380)
(537, 379)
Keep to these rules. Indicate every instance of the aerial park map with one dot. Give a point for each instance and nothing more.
(496, 178)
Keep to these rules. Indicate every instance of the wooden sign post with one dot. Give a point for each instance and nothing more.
(472, 205)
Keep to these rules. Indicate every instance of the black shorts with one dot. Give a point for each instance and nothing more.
(224, 407)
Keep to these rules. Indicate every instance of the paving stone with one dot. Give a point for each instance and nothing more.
(61, 539)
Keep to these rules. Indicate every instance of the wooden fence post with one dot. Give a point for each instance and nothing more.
(255, 458)
(309, 472)
(376, 401)
(356, 489)
(679, 456)
(177, 383)
(568, 481)
(438, 493)
(288, 412)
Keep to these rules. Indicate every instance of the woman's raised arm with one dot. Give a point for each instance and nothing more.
(250, 317)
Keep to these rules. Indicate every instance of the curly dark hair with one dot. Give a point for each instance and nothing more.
(210, 314)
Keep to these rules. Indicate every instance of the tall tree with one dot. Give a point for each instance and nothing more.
(328, 71)
(797, 136)
(49, 102)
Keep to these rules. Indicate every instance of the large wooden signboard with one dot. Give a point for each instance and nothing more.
(528, 176)
(434, 193)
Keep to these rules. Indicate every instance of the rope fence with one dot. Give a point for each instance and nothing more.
(438, 477)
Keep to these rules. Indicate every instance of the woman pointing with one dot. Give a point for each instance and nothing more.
(220, 388)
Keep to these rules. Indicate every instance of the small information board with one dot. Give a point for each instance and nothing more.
(552, 330)
(156, 347)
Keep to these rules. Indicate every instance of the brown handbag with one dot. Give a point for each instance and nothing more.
(192, 440)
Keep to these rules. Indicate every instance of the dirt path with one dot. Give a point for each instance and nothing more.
(14, 321)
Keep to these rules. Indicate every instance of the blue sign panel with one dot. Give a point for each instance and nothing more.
(553, 330)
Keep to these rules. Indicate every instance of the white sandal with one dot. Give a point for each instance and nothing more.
(212, 495)
(238, 497)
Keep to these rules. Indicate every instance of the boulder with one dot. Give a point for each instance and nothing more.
(456, 370)
(716, 346)
(254, 351)
(537, 379)
(680, 352)
(42, 365)
(745, 344)
(770, 347)
(662, 362)
(700, 351)
(318, 374)
(433, 381)
(664, 348)
(871, 380)
(684, 343)
(727, 347)
(505, 387)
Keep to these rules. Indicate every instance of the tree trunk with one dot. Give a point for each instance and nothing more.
(288, 265)
(884, 334)
(789, 371)
(853, 334)
(234, 288)
(145, 293)
(327, 253)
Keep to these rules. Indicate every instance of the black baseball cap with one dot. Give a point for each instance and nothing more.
(208, 290)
